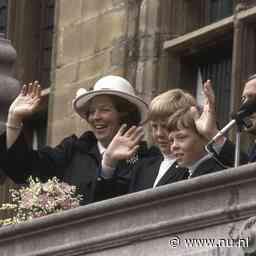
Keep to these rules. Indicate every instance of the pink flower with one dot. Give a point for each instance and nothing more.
(40, 199)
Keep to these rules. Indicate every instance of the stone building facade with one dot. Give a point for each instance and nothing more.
(156, 44)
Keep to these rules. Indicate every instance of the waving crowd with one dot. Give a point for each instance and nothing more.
(113, 158)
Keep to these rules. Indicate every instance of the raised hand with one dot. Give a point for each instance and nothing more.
(206, 120)
(26, 102)
(24, 105)
(123, 146)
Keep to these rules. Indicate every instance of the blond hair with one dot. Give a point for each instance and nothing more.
(166, 104)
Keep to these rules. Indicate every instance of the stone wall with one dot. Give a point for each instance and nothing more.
(91, 40)
(157, 221)
(95, 38)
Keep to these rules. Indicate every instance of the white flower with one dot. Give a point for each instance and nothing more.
(80, 92)
(40, 199)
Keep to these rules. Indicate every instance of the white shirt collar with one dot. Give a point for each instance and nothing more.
(101, 148)
(167, 162)
(168, 157)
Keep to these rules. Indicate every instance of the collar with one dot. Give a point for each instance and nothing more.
(101, 148)
(168, 157)
(194, 166)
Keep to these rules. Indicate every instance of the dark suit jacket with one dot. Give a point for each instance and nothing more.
(206, 167)
(145, 172)
(75, 161)
(227, 155)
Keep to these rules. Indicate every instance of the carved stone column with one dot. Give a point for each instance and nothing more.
(9, 87)
(149, 45)
(153, 63)
(248, 231)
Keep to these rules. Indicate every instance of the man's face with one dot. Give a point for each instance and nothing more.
(186, 146)
(249, 93)
(160, 135)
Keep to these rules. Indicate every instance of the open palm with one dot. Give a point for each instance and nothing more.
(27, 101)
(125, 144)
(206, 120)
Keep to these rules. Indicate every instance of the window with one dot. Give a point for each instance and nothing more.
(189, 15)
(3, 16)
(31, 32)
(46, 37)
(211, 61)
(216, 64)
(217, 9)
(38, 125)
(204, 49)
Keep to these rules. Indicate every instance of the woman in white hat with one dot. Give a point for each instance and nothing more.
(111, 108)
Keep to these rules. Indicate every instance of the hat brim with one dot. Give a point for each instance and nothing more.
(81, 102)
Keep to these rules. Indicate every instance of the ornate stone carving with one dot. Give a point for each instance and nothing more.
(9, 86)
(248, 231)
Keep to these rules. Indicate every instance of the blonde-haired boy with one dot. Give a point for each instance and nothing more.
(161, 168)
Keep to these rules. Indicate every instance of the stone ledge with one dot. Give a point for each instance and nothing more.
(202, 203)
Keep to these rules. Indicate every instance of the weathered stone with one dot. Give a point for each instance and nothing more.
(65, 75)
(70, 39)
(60, 128)
(62, 104)
(148, 222)
(149, 17)
(94, 66)
(70, 12)
(92, 9)
(100, 33)
(149, 47)
(9, 87)
(146, 78)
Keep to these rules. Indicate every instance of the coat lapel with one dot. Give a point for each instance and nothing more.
(206, 167)
(174, 173)
(153, 172)
(252, 156)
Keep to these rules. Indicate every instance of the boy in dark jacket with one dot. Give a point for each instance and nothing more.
(188, 146)
(161, 168)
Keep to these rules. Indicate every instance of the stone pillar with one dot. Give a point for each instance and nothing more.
(9, 87)
(148, 61)
(153, 68)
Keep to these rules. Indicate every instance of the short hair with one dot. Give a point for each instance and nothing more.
(167, 103)
(251, 77)
(182, 119)
(129, 113)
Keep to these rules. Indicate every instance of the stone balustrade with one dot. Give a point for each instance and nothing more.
(161, 221)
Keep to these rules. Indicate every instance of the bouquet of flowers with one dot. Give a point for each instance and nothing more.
(40, 199)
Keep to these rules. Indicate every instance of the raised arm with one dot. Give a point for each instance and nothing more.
(123, 146)
(206, 122)
(23, 106)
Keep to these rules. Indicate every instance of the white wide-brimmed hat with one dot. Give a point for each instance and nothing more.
(110, 85)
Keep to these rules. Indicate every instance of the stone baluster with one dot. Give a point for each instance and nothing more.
(9, 88)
